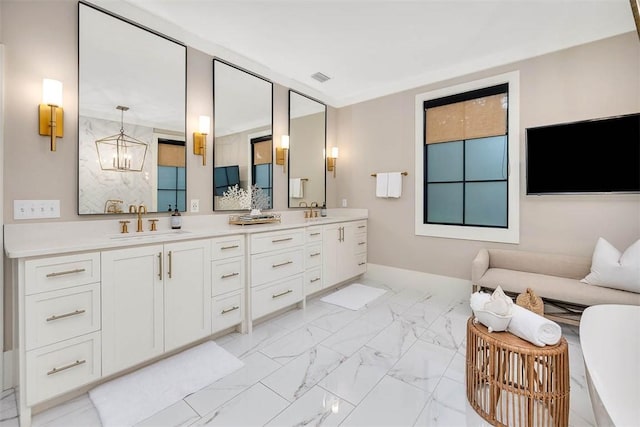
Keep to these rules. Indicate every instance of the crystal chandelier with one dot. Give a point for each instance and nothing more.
(121, 152)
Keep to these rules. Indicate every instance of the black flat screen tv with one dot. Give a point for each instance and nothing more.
(593, 156)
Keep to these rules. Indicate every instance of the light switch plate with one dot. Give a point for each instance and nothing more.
(36, 209)
(195, 205)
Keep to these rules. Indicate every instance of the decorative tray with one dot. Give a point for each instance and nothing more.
(247, 219)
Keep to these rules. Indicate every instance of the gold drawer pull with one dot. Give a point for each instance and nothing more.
(64, 273)
(316, 254)
(361, 263)
(282, 240)
(281, 264)
(314, 234)
(226, 276)
(62, 316)
(229, 310)
(362, 243)
(69, 366)
(288, 291)
(314, 280)
(362, 226)
(224, 248)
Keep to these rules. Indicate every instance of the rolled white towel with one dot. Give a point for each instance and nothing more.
(533, 327)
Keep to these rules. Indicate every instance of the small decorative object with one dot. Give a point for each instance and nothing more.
(248, 219)
(239, 198)
(493, 322)
(531, 302)
(176, 219)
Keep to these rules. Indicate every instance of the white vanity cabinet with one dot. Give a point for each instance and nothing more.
(228, 280)
(277, 270)
(344, 251)
(155, 298)
(60, 324)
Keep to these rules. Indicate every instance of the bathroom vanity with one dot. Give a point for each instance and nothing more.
(91, 304)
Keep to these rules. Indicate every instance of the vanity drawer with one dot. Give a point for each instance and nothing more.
(227, 310)
(277, 265)
(59, 315)
(312, 281)
(227, 275)
(360, 244)
(50, 274)
(227, 247)
(313, 255)
(313, 234)
(361, 263)
(61, 367)
(360, 227)
(265, 242)
(274, 296)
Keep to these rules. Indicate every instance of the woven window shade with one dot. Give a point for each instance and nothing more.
(171, 155)
(262, 152)
(476, 118)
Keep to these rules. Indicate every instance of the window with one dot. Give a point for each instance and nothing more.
(466, 161)
(172, 180)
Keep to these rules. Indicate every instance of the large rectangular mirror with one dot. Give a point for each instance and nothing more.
(307, 139)
(131, 116)
(243, 133)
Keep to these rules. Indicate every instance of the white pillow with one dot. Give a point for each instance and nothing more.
(611, 269)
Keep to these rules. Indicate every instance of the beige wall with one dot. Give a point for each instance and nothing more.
(41, 41)
(595, 80)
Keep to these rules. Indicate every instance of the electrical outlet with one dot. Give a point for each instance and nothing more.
(195, 205)
(344, 203)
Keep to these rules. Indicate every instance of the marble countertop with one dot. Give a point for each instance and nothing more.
(24, 240)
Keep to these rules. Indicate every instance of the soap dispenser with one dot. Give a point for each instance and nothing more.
(323, 210)
(176, 219)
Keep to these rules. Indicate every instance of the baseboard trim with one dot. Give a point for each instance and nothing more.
(411, 277)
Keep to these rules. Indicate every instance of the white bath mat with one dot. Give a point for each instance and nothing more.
(354, 296)
(132, 398)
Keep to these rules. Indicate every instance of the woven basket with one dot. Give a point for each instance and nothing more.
(531, 302)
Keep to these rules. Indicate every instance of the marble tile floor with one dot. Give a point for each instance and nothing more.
(399, 361)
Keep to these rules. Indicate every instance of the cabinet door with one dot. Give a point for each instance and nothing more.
(132, 307)
(331, 242)
(187, 292)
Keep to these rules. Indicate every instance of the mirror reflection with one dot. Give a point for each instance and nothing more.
(243, 148)
(131, 116)
(307, 138)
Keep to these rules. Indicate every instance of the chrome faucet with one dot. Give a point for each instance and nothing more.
(138, 210)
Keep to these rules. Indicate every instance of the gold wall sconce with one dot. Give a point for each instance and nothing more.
(282, 152)
(51, 113)
(200, 138)
(332, 161)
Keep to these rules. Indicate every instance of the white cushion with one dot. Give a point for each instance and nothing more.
(611, 269)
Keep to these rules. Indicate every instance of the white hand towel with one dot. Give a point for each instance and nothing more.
(533, 327)
(295, 188)
(395, 185)
(382, 184)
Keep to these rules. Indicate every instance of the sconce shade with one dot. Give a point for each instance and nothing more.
(282, 152)
(204, 124)
(121, 152)
(284, 142)
(52, 92)
(334, 152)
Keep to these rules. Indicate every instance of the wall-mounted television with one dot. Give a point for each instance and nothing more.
(225, 177)
(592, 156)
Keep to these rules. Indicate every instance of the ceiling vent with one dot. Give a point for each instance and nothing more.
(320, 77)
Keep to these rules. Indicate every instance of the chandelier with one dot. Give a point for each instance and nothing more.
(121, 152)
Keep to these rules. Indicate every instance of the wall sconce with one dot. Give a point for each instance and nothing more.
(200, 138)
(51, 113)
(282, 152)
(331, 161)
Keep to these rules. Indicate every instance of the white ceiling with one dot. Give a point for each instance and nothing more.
(373, 48)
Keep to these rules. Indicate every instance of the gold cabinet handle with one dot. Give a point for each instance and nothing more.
(224, 248)
(62, 316)
(229, 310)
(64, 273)
(69, 366)
(315, 254)
(282, 240)
(362, 243)
(314, 234)
(288, 291)
(361, 263)
(170, 265)
(362, 226)
(282, 264)
(226, 276)
(314, 280)
(160, 265)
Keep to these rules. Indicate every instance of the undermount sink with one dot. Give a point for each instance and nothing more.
(148, 234)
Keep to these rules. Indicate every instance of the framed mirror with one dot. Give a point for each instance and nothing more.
(131, 116)
(307, 140)
(243, 133)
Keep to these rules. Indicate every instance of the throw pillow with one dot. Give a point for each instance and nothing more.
(611, 269)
